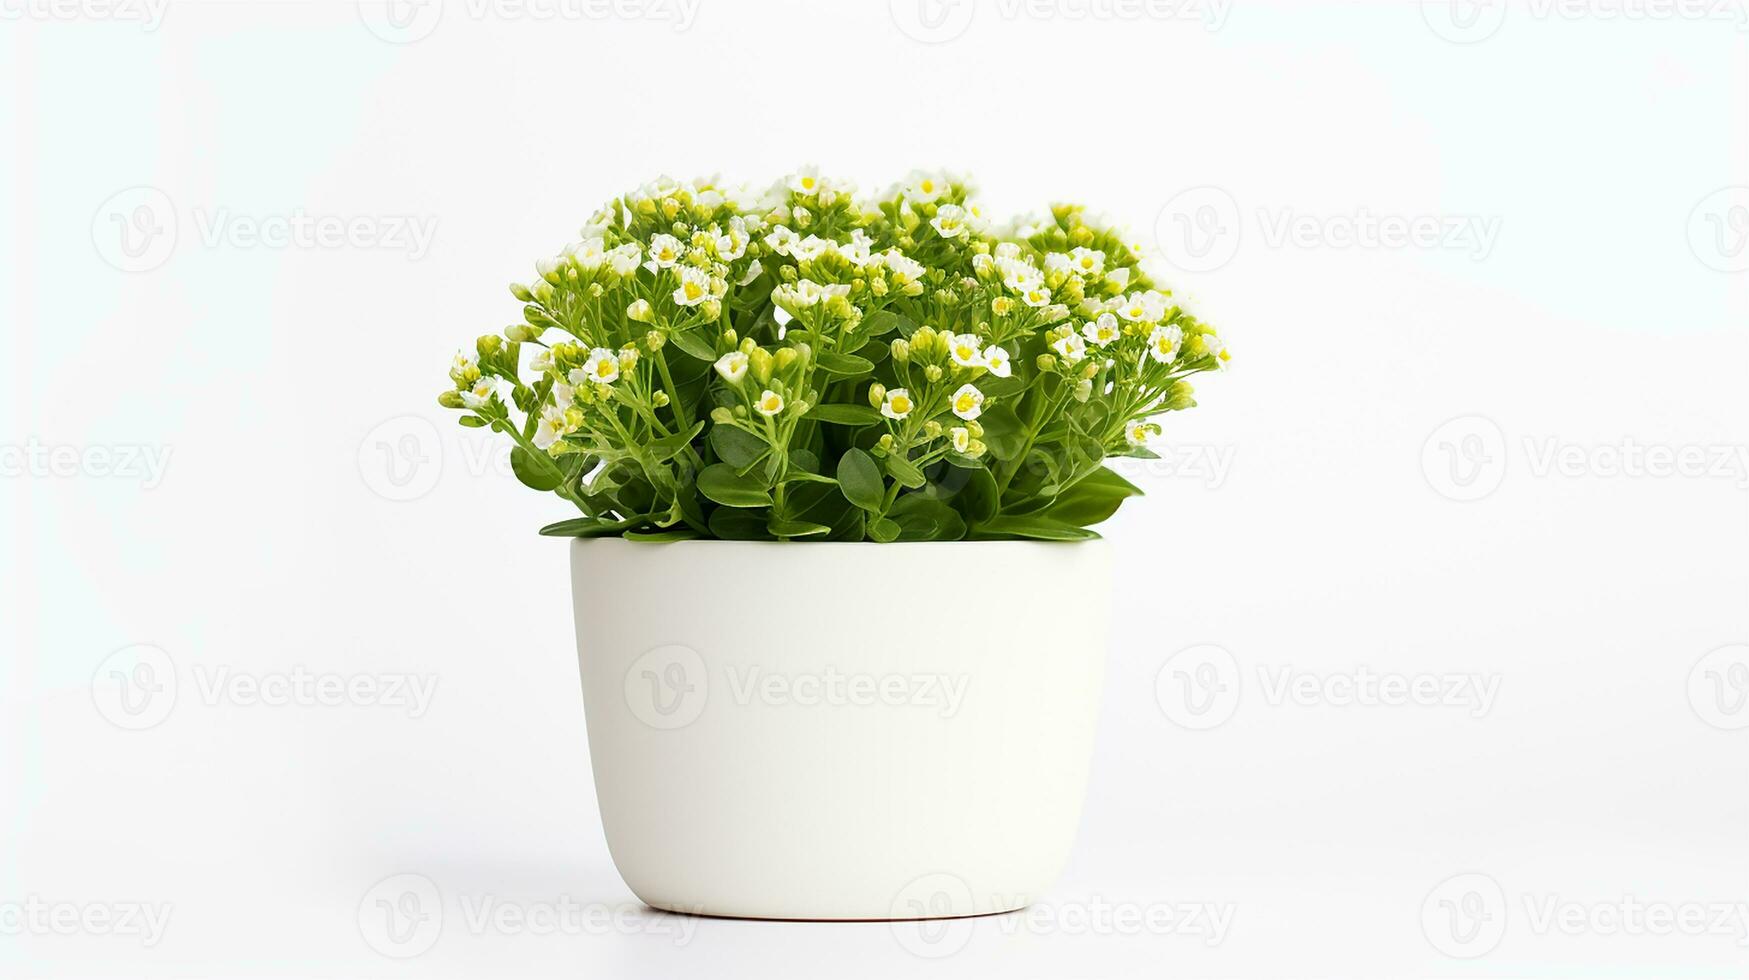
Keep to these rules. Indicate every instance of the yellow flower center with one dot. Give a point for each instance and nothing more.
(692, 290)
(604, 368)
(901, 405)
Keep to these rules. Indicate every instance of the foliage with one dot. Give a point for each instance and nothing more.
(798, 365)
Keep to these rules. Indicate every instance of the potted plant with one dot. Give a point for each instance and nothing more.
(840, 617)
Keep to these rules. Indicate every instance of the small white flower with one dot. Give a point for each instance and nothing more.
(542, 361)
(1007, 250)
(807, 181)
(1217, 348)
(1163, 343)
(480, 395)
(811, 248)
(924, 188)
(463, 365)
(962, 438)
(732, 366)
(781, 240)
(665, 250)
(898, 404)
(770, 403)
(730, 245)
(949, 221)
(1119, 277)
(996, 360)
(1102, 331)
(963, 348)
(1087, 261)
(624, 259)
(905, 270)
(1057, 262)
(968, 402)
(564, 395)
(1139, 433)
(600, 367)
(695, 287)
(553, 424)
(1071, 347)
(589, 253)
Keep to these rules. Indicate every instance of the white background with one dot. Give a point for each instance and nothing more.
(1590, 304)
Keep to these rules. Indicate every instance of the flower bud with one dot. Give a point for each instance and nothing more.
(976, 448)
(932, 429)
(640, 311)
(722, 416)
(521, 333)
(901, 350)
(886, 442)
(932, 372)
(759, 359)
(488, 344)
(730, 338)
(1091, 369)
(655, 340)
(711, 308)
(748, 346)
(877, 393)
(450, 399)
(1047, 362)
(659, 399)
(521, 292)
(784, 358)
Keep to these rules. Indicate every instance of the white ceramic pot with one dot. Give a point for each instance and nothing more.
(840, 731)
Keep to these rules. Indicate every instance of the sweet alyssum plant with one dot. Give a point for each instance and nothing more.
(801, 365)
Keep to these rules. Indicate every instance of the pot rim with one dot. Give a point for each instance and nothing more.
(717, 542)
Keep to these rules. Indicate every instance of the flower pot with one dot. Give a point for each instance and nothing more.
(840, 731)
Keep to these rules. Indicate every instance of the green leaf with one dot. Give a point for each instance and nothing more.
(844, 414)
(732, 524)
(848, 365)
(976, 498)
(883, 321)
(472, 421)
(721, 483)
(693, 344)
(664, 534)
(587, 527)
(923, 518)
(1093, 499)
(796, 474)
(536, 471)
(860, 479)
(737, 447)
(1037, 528)
(665, 449)
(884, 530)
(795, 529)
(1003, 433)
(904, 471)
